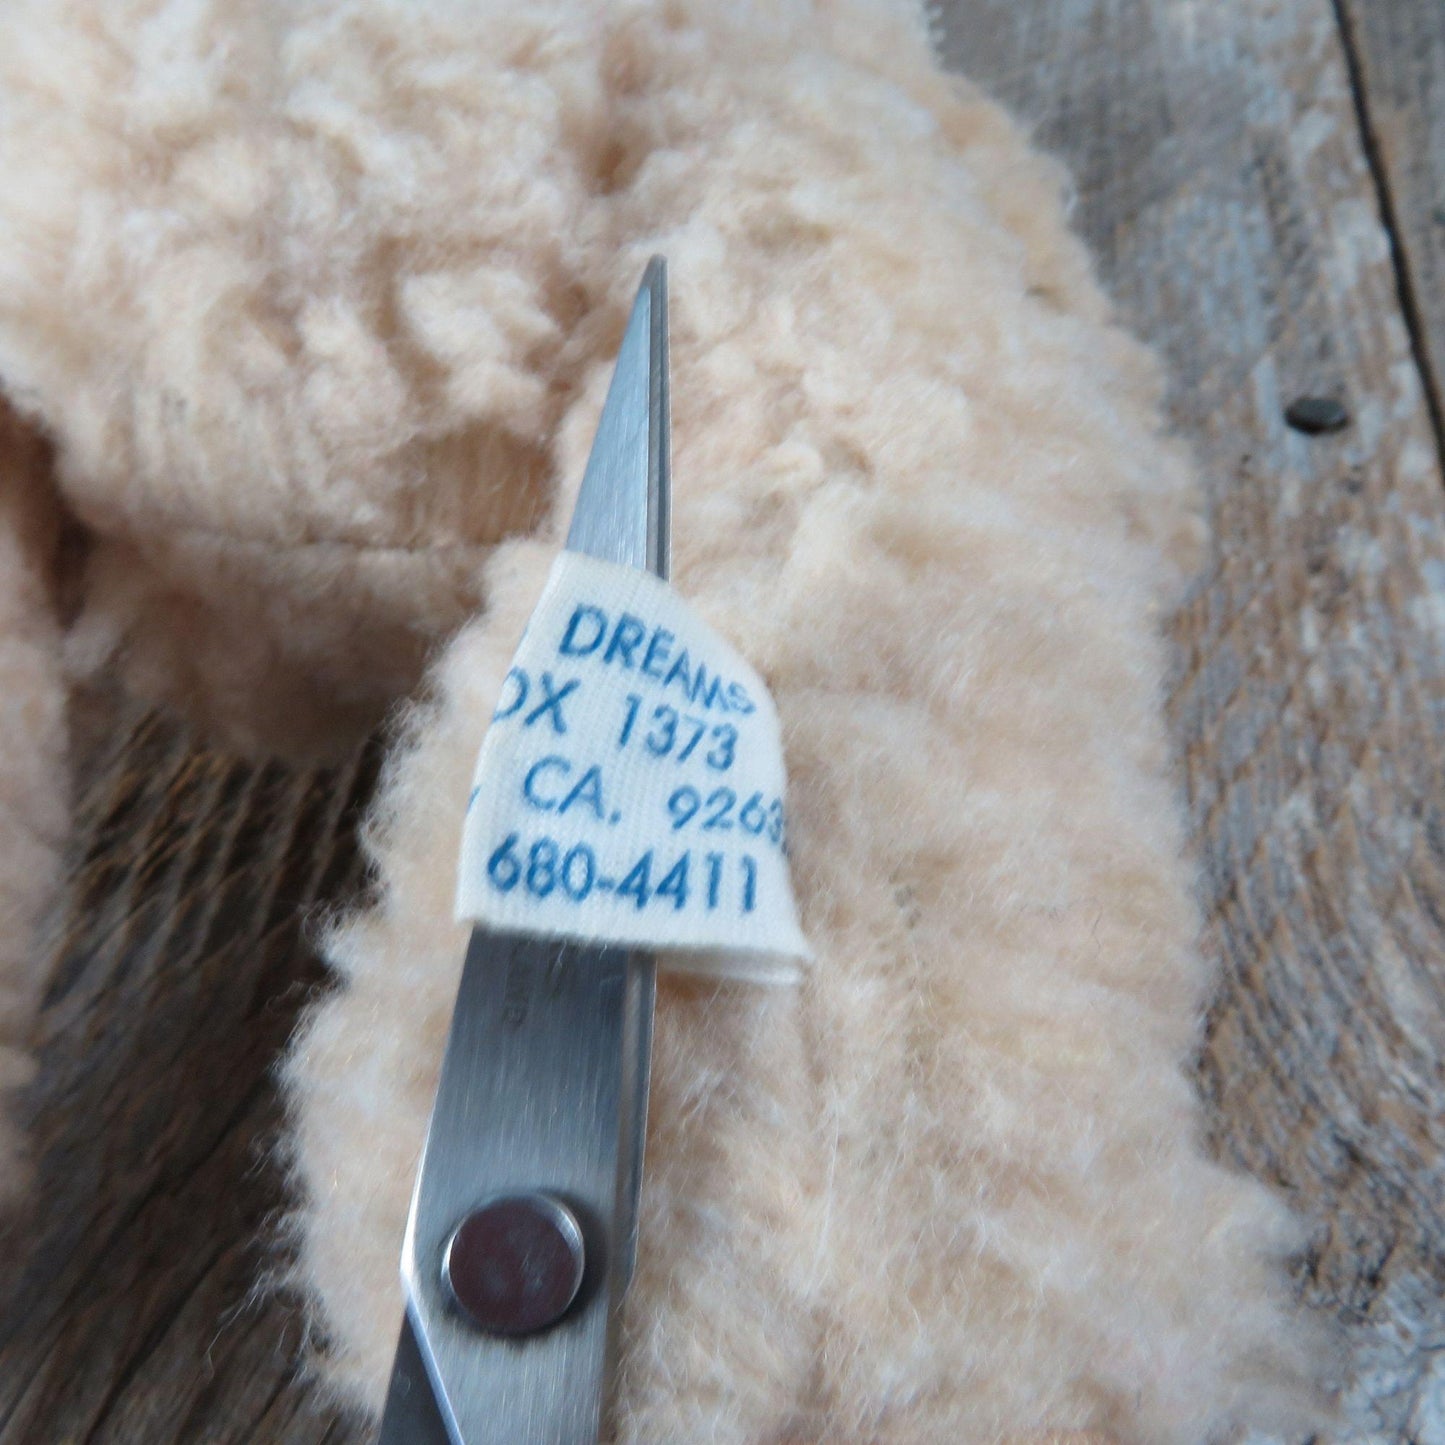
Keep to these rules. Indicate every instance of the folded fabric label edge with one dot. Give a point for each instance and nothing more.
(630, 789)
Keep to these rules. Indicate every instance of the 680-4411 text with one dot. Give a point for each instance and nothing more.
(702, 880)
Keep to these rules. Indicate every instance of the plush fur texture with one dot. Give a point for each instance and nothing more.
(319, 301)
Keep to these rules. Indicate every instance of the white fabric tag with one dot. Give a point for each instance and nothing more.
(631, 787)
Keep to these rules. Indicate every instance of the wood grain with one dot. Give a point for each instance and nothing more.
(1240, 167)
(1225, 182)
(181, 960)
(1397, 62)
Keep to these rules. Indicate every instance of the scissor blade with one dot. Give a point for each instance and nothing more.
(622, 508)
(412, 1416)
(538, 1091)
(544, 1082)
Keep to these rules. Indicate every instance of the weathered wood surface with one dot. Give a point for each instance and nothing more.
(182, 960)
(1226, 183)
(1239, 165)
(1397, 66)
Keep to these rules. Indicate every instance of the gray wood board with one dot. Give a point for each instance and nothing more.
(1397, 65)
(1226, 183)
(129, 1310)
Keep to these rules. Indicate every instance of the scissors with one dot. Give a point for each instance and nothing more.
(523, 1224)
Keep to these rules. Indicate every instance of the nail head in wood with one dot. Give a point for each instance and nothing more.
(1314, 415)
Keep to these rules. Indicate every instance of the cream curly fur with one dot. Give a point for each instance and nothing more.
(320, 300)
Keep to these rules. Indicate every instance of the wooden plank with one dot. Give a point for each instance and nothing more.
(1225, 185)
(181, 964)
(1397, 60)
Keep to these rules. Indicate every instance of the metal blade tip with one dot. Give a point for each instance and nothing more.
(622, 511)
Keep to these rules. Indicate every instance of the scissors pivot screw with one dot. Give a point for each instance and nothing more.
(514, 1266)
